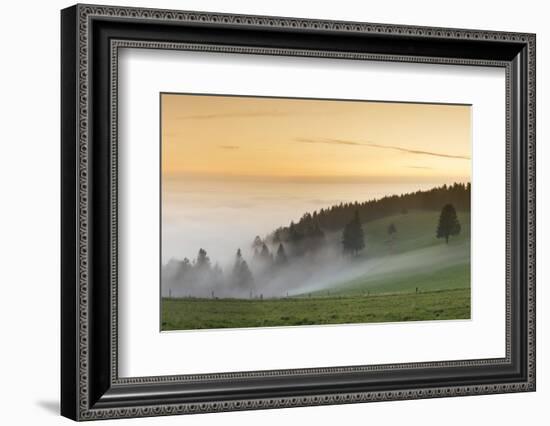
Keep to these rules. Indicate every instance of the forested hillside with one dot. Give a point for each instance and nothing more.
(336, 217)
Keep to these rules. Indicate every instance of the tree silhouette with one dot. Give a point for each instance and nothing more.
(353, 238)
(265, 255)
(184, 267)
(391, 231)
(448, 223)
(263, 258)
(217, 274)
(203, 261)
(245, 278)
(257, 243)
(280, 257)
(242, 277)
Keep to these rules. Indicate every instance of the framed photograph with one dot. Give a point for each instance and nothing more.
(263, 212)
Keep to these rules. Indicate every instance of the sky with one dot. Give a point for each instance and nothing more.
(237, 167)
(314, 140)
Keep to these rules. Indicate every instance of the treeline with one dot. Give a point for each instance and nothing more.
(200, 277)
(199, 273)
(291, 254)
(336, 217)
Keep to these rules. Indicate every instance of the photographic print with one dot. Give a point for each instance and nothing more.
(312, 210)
(292, 212)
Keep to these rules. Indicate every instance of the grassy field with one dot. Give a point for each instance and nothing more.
(414, 276)
(415, 230)
(187, 313)
(414, 260)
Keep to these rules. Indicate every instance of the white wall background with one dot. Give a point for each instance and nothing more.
(29, 212)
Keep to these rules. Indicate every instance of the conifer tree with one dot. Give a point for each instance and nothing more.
(353, 237)
(242, 277)
(280, 258)
(391, 231)
(265, 255)
(203, 261)
(245, 278)
(183, 269)
(448, 223)
(257, 243)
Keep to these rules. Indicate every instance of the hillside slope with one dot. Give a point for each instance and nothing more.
(413, 260)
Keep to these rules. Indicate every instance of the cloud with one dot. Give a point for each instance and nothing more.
(419, 167)
(375, 145)
(329, 141)
(233, 115)
(229, 147)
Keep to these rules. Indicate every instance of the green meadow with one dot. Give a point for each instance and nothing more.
(409, 276)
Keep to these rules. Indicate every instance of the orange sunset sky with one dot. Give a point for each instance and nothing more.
(256, 138)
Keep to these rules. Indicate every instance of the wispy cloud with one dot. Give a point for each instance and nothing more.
(233, 115)
(229, 147)
(330, 141)
(419, 167)
(375, 145)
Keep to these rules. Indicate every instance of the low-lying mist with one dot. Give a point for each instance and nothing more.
(264, 274)
(327, 250)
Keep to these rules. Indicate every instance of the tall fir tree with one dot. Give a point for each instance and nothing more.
(184, 267)
(391, 232)
(280, 257)
(448, 223)
(242, 276)
(203, 261)
(257, 243)
(265, 255)
(245, 278)
(353, 238)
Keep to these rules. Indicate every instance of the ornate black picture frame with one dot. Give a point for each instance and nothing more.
(90, 385)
